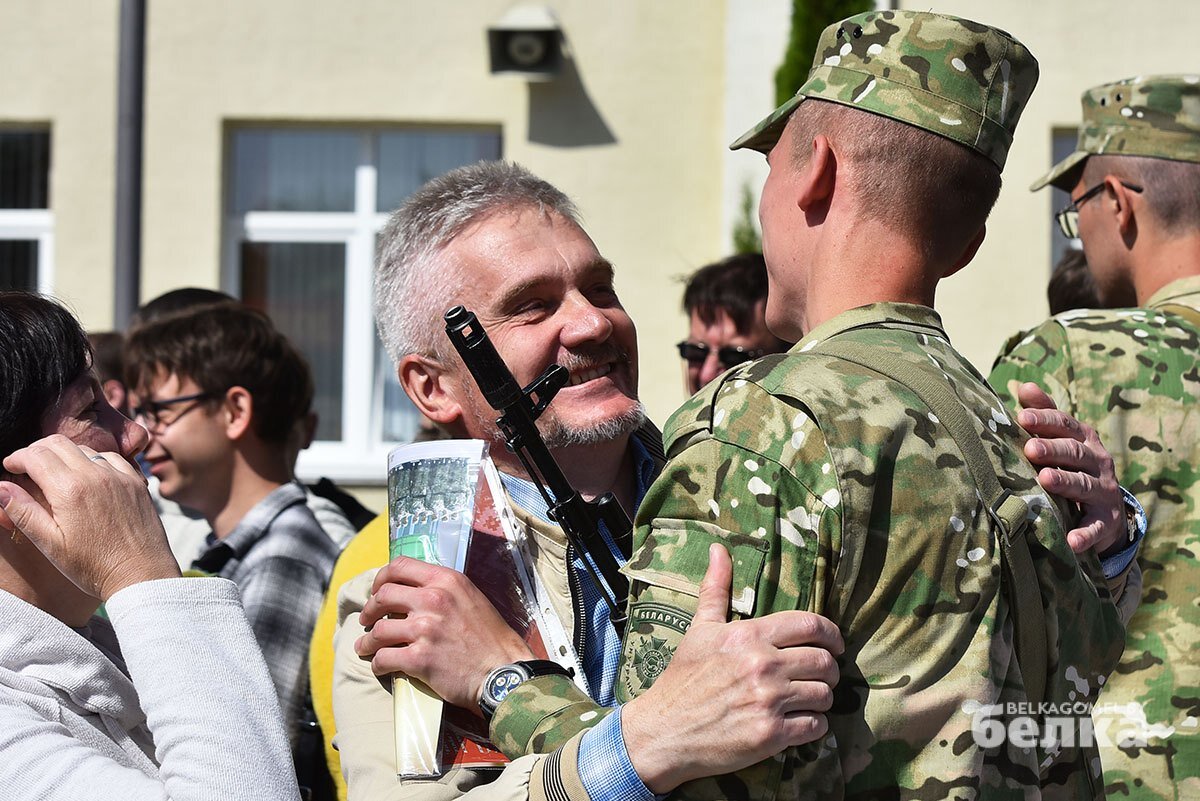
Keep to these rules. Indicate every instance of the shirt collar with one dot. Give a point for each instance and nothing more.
(904, 315)
(1183, 290)
(525, 494)
(253, 526)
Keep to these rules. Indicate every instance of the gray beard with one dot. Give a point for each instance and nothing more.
(557, 435)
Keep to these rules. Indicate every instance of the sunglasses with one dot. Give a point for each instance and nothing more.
(696, 353)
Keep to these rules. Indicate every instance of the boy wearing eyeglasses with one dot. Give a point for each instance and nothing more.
(1132, 373)
(221, 392)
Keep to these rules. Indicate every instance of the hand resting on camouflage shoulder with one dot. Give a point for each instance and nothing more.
(734, 693)
(1076, 466)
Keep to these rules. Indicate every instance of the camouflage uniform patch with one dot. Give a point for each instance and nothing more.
(867, 514)
(1134, 375)
(651, 652)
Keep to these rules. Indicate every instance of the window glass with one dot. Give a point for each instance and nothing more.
(295, 170)
(18, 264)
(1062, 145)
(24, 169)
(408, 159)
(311, 259)
(302, 287)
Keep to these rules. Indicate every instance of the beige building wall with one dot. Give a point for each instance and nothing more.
(646, 89)
(635, 130)
(1078, 44)
(58, 65)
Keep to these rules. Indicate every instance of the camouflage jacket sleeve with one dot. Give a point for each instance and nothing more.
(755, 477)
(678, 520)
(366, 735)
(1041, 355)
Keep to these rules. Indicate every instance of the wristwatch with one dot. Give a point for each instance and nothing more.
(501, 681)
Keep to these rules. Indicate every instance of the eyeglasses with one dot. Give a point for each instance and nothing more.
(149, 413)
(1068, 218)
(696, 353)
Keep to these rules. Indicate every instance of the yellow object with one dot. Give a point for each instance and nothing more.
(367, 550)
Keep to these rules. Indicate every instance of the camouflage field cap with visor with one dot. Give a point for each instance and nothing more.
(1157, 117)
(956, 78)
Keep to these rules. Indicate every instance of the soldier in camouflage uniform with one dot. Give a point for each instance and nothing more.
(832, 475)
(1133, 374)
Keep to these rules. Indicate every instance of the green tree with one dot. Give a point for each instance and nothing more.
(809, 18)
(745, 232)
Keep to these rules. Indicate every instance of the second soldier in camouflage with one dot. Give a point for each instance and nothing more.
(1134, 375)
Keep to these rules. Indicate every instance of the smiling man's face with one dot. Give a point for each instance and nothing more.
(544, 294)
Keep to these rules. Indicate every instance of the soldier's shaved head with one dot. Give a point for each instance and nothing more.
(923, 186)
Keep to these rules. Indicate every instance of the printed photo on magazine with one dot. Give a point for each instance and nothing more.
(446, 505)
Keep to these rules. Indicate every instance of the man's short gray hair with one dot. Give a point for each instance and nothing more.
(412, 289)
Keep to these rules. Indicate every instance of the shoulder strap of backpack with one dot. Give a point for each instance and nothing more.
(1007, 511)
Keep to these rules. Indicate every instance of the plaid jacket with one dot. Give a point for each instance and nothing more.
(281, 559)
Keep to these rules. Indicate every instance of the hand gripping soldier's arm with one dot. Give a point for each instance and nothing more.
(1076, 467)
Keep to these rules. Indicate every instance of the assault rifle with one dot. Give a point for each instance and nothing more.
(519, 410)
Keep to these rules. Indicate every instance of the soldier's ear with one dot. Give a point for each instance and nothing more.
(1122, 206)
(430, 388)
(818, 176)
(968, 253)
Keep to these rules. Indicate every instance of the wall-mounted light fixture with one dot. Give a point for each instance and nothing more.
(527, 41)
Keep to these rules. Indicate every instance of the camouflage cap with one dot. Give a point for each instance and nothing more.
(956, 78)
(1157, 117)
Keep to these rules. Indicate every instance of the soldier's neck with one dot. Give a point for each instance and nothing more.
(1160, 262)
(870, 264)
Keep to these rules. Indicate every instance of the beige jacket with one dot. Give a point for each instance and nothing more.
(362, 704)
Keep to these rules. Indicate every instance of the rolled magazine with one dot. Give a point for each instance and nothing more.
(446, 505)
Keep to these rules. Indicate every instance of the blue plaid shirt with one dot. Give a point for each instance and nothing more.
(605, 769)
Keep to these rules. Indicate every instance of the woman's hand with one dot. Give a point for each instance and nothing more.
(88, 513)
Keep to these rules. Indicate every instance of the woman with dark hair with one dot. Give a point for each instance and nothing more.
(167, 698)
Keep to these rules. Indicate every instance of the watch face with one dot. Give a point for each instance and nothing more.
(502, 682)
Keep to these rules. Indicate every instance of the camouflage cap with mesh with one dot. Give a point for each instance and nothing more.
(956, 78)
(1157, 117)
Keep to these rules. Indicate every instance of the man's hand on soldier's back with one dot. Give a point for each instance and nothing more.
(735, 692)
(1074, 465)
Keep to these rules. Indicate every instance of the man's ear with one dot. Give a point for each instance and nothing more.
(430, 388)
(1122, 205)
(818, 176)
(238, 408)
(968, 253)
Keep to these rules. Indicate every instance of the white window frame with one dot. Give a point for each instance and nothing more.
(33, 224)
(360, 456)
(36, 225)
